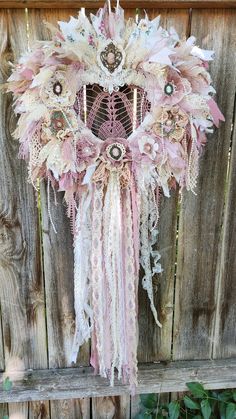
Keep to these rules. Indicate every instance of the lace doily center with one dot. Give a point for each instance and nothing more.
(112, 115)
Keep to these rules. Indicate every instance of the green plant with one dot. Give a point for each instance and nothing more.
(197, 404)
(7, 384)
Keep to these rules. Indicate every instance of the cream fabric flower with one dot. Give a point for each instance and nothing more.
(148, 146)
(171, 123)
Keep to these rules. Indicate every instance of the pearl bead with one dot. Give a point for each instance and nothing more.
(87, 150)
(147, 147)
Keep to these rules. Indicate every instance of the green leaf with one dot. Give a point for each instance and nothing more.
(5, 417)
(143, 415)
(205, 409)
(225, 395)
(231, 411)
(197, 417)
(234, 395)
(197, 389)
(222, 409)
(190, 404)
(7, 384)
(149, 400)
(174, 408)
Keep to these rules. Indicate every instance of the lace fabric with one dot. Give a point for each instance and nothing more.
(115, 114)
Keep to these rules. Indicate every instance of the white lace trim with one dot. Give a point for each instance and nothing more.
(82, 268)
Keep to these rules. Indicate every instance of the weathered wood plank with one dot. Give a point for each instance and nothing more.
(112, 407)
(21, 285)
(58, 261)
(91, 4)
(157, 378)
(19, 409)
(3, 410)
(155, 343)
(3, 76)
(224, 343)
(39, 410)
(201, 215)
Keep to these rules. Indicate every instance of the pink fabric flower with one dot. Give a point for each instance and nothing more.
(115, 151)
(86, 153)
(172, 88)
(175, 155)
(192, 68)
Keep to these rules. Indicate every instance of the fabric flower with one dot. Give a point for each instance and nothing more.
(52, 156)
(148, 146)
(170, 123)
(191, 62)
(115, 151)
(172, 87)
(59, 125)
(57, 91)
(87, 153)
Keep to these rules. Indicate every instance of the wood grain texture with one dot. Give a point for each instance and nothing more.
(21, 285)
(91, 4)
(112, 407)
(3, 76)
(201, 215)
(58, 261)
(3, 410)
(159, 378)
(39, 410)
(225, 333)
(155, 343)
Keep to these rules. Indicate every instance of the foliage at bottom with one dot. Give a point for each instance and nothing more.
(197, 404)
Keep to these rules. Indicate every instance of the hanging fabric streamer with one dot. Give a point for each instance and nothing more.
(114, 114)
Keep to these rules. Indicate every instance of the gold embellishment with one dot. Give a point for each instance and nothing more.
(111, 57)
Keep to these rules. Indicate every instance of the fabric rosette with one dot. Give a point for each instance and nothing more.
(115, 157)
(87, 152)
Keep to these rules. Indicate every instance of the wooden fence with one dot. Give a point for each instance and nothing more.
(196, 292)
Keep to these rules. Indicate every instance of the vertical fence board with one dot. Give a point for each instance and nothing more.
(3, 410)
(58, 261)
(155, 343)
(201, 215)
(3, 76)
(39, 410)
(225, 336)
(22, 291)
(111, 407)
